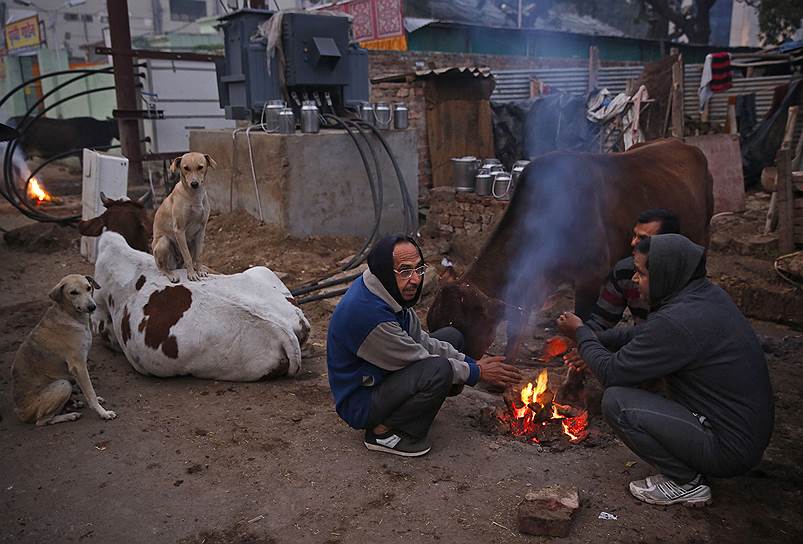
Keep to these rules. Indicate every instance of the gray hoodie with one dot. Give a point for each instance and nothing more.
(700, 342)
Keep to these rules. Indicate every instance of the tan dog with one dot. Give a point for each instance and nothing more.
(54, 353)
(180, 222)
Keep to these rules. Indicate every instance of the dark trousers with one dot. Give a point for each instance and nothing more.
(409, 399)
(666, 434)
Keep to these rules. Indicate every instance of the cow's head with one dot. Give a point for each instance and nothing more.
(125, 217)
(470, 311)
(193, 168)
(114, 128)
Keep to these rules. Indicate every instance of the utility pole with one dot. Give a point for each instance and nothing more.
(125, 87)
(519, 18)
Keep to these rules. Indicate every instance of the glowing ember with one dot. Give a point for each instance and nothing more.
(37, 193)
(555, 346)
(534, 407)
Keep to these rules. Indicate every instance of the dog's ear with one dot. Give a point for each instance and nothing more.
(91, 227)
(210, 162)
(57, 293)
(176, 164)
(92, 282)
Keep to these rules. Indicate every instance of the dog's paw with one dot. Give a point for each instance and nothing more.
(74, 404)
(192, 275)
(107, 414)
(203, 270)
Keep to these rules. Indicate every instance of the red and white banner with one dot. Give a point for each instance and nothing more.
(373, 19)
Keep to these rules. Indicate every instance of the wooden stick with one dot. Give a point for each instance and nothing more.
(774, 215)
(677, 98)
(785, 200)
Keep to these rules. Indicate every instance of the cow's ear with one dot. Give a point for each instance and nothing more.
(92, 282)
(92, 227)
(57, 293)
(174, 166)
(210, 162)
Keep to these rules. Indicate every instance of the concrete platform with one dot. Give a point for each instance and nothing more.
(309, 184)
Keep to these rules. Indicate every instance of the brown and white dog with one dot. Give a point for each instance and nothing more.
(180, 222)
(55, 353)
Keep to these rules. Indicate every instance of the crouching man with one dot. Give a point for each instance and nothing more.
(719, 417)
(387, 375)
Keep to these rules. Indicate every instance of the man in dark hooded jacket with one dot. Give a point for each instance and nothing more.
(719, 417)
(387, 375)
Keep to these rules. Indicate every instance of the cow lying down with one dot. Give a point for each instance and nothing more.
(239, 327)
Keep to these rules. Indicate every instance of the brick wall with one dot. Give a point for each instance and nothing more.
(463, 219)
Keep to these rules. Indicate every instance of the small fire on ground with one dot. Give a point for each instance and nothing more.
(37, 192)
(534, 412)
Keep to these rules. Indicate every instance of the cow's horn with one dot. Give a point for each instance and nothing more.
(106, 200)
(144, 198)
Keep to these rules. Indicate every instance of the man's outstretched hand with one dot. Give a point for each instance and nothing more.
(568, 323)
(494, 372)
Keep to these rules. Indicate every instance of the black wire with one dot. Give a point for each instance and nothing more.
(24, 84)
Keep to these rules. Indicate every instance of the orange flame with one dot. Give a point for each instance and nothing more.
(37, 193)
(526, 420)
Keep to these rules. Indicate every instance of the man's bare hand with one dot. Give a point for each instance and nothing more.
(568, 323)
(574, 360)
(494, 372)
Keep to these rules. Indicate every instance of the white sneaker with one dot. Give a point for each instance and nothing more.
(661, 490)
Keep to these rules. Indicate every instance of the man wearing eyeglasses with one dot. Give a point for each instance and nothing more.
(387, 375)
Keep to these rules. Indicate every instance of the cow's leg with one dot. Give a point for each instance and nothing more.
(162, 254)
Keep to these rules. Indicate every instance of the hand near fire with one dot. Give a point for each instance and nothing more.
(494, 372)
(573, 360)
(568, 323)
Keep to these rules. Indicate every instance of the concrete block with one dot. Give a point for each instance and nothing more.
(308, 184)
(548, 511)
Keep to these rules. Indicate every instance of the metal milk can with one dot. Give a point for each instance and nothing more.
(270, 115)
(383, 116)
(482, 182)
(310, 121)
(502, 184)
(400, 116)
(367, 112)
(518, 169)
(464, 169)
(287, 121)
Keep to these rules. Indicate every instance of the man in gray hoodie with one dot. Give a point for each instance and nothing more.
(719, 416)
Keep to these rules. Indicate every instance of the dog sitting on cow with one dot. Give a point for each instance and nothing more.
(238, 327)
(54, 354)
(180, 222)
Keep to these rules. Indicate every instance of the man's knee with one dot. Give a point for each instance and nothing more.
(612, 403)
(452, 336)
(439, 372)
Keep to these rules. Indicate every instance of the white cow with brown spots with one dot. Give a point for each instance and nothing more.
(239, 327)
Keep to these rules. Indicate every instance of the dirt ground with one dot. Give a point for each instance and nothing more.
(197, 461)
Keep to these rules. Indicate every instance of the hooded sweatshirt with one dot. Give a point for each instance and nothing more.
(374, 332)
(698, 340)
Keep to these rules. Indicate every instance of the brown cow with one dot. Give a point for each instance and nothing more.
(569, 221)
(126, 217)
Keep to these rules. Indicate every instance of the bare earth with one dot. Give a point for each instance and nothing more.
(198, 461)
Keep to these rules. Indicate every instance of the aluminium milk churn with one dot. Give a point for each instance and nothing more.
(518, 169)
(270, 115)
(482, 183)
(310, 121)
(502, 185)
(400, 116)
(367, 112)
(287, 121)
(383, 116)
(464, 170)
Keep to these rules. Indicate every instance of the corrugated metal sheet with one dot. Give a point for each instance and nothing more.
(515, 85)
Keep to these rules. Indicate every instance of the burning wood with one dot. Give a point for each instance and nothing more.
(533, 409)
(37, 192)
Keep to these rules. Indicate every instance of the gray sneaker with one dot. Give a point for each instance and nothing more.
(397, 444)
(661, 490)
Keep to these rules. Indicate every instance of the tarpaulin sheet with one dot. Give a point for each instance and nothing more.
(760, 145)
(526, 129)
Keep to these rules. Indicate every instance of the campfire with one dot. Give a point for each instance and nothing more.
(37, 192)
(535, 414)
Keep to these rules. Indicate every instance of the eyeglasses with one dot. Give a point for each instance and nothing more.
(407, 273)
